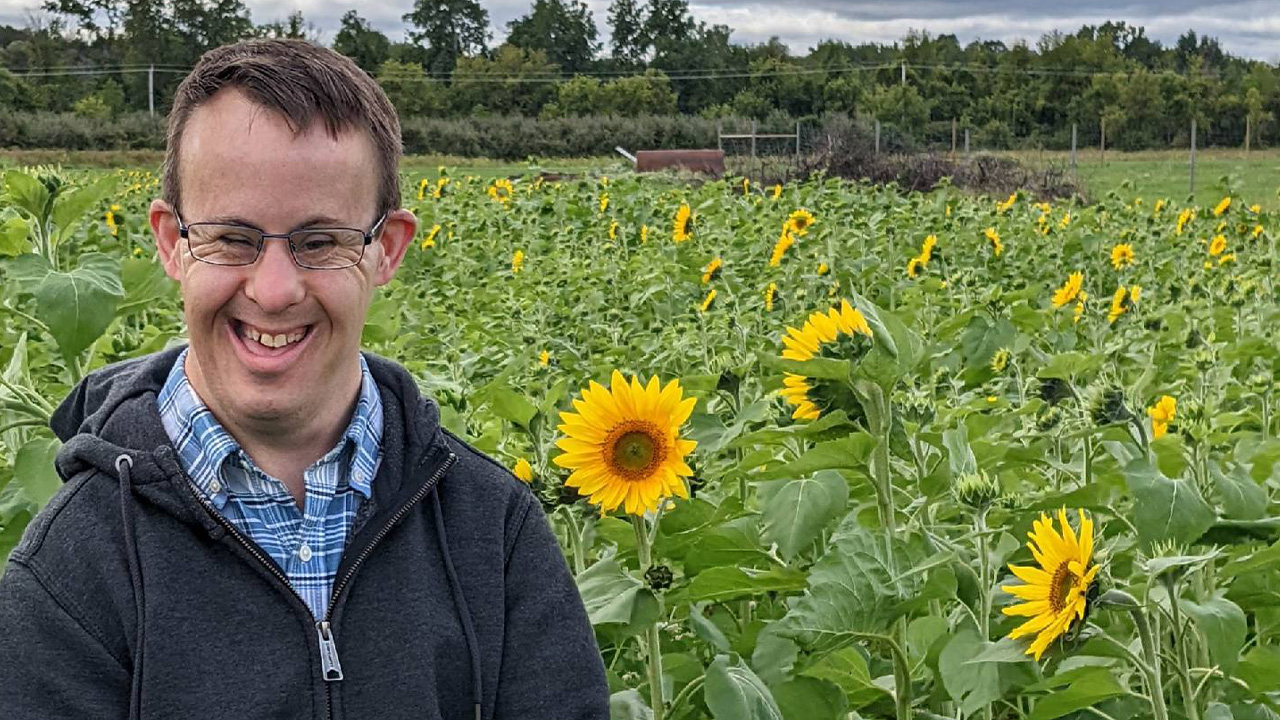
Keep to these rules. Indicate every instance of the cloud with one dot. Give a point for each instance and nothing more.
(1249, 28)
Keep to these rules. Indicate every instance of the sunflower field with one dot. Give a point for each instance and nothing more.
(814, 451)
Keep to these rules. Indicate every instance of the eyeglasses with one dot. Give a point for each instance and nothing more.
(311, 248)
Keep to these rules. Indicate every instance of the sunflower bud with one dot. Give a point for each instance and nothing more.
(658, 577)
(1108, 408)
(977, 490)
(1055, 390)
(1049, 418)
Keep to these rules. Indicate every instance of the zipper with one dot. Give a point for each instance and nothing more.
(329, 662)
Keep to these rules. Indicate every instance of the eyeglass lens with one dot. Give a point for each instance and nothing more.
(235, 245)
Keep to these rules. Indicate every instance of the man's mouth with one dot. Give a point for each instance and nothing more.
(269, 341)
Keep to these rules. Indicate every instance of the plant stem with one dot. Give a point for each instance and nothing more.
(1151, 668)
(1180, 647)
(687, 691)
(652, 643)
(575, 543)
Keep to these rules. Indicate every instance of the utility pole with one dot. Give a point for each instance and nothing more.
(1074, 128)
(151, 90)
(1192, 187)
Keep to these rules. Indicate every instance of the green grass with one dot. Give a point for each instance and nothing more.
(1166, 173)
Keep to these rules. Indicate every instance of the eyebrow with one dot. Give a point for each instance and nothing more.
(311, 222)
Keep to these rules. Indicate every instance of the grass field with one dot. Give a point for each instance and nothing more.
(1166, 173)
(1151, 174)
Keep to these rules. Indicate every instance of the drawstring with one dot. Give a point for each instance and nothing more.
(124, 464)
(461, 602)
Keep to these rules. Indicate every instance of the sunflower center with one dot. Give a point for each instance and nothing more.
(1060, 587)
(634, 450)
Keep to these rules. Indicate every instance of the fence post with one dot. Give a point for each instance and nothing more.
(877, 137)
(1074, 129)
(753, 138)
(1248, 127)
(797, 139)
(966, 141)
(151, 90)
(1104, 140)
(1192, 189)
(719, 137)
(953, 137)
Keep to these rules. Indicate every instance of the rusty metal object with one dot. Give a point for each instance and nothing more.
(710, 162)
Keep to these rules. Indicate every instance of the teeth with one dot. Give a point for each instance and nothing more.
(269, 340)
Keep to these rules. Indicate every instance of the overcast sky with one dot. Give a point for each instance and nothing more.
(1249, 28)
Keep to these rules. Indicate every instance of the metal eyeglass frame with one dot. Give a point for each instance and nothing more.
(184, 231)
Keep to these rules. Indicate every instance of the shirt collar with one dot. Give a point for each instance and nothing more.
(203, 445)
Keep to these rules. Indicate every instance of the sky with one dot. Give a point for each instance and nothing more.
(1248, 28)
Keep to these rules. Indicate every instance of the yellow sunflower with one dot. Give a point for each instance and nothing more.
(780, 248)
(517, 261)
(623, 444)
(706, 302)
(811, 396)
(1056, 592)
(1185, 217)
(777, 192)
(1222, 207)
(1218, 244)
(430, 239)
(712, 270)
(823, 268)
(1003, 206)
(523, 470)
(502, 191)
(1122, 256)
(683, 226)
(996, 246)
(422, 189)
(1123, 301)
(799, 222)
(769, 293)
(1161, 414)
(604, 202)
(1069, 290)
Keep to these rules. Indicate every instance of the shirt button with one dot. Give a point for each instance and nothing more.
(304, 553)
(215, 487)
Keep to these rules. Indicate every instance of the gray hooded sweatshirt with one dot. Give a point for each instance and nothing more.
(131, 597)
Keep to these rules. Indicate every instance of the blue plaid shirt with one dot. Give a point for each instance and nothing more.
(307, 544)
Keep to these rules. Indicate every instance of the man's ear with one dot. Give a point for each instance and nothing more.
(164, 225)
(397, 232)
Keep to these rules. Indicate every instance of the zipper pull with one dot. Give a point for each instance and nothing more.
(328, 653)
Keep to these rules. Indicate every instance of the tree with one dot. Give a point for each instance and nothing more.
(512, 82)
(627, 21)
(410, 90)
(295, 27)
(564, 30)
(359, 41)
(450, 29)
(668, 22)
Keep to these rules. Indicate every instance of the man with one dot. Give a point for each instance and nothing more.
(267, 523)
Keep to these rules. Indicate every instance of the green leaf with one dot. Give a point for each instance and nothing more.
(10, 535)
(875, 321)
(1260, 669)
(719, 584)
(1263, 559)
(974, 685)
(1222, 624)
(981, 340)
(27, 192)
(1086, 690)
(145, 283)
(1166, 508)
(707, 630)
(734, 544)
(817, 367)
(848, 453)
(1242, 498)
(78, 305)
(71, 205)
(831, 422)
(1004, 650)
(628, 705)
(612, 596)
(797, 511)
(959, 453)
(854, 587)
(848, 669)
(511, 406)
(733, 692)
(34, 472)
(1158, 565)
(808, 698)
(774, 656)
(1069, 365)
(15, 236)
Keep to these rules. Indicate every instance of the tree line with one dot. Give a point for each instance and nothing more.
(661, 61)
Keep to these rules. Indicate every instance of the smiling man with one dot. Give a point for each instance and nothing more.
(268, 523)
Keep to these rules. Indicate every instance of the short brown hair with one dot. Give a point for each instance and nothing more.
(303, 82)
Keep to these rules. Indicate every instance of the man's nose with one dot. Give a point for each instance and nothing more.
(275, 280)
